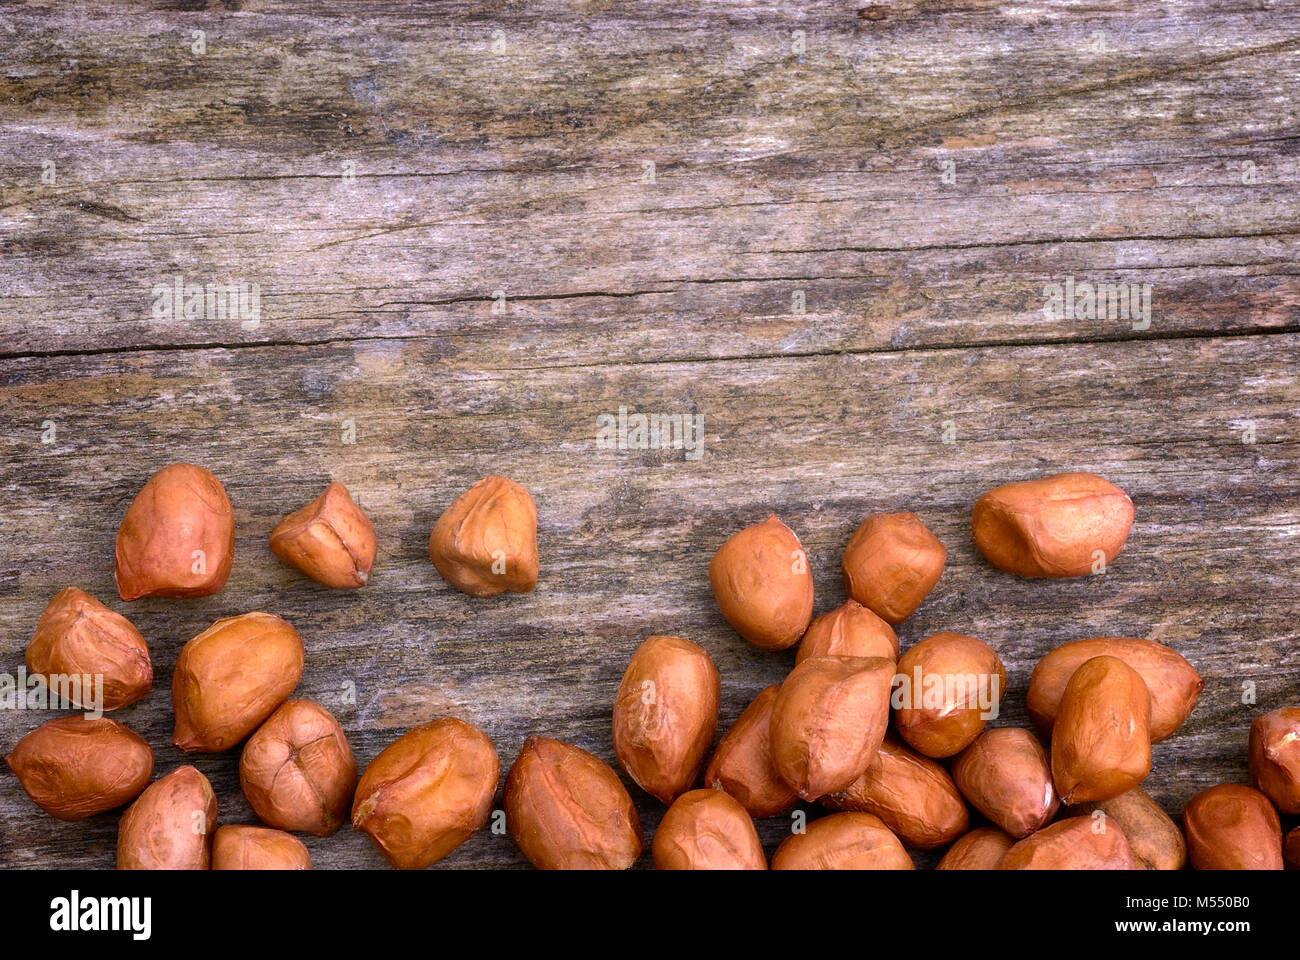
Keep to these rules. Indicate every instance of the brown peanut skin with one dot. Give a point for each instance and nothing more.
(427, 792)
(1173, 683)
(297, 771)
(742, 763)
(491, 525)
(843, 841)
(1275, 757)
(180, 510)
(1101, 740)
(78, 635)
(1231, 827)
(1052, 526)
(1078, 843)
(74, 767)
(911, 794)
(170, 825)
(1006, 776)
(828, 721)
(258, 848)
(981, 849)
(763, 586)
(850, 630)
(231, 677)
(665, 715)
(1156, 841)
(1291, 849)
(568, 810)
(891, 564)
(707, 830)
(950, 728)
(330, 540)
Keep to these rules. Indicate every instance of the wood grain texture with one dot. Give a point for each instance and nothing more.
(775, 171)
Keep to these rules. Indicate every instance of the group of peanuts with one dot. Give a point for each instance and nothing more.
(822, 735)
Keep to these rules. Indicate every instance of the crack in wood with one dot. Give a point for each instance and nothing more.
(1011, 344)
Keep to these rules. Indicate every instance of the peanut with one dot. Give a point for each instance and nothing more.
(567, 810)
(1275, 757)
(911, 794)
(258, 848)
(231, 677)
(763, 586)
(177, 538)
(665, 715)
(427, 792)
(707, 830)
(843, 841)
(78, 635)
(1005, 775)
(828, 721)
(1231, 827)
(1066, 525)
(74, 768)
(948, 687)
(981, 849)
(1078, 843)
(742, 763)
(486, 542)
(850, 630)
(170, 825)
(891, 564)
(1101, 742)
(330, 540)
(297, 771)
(1172, 682)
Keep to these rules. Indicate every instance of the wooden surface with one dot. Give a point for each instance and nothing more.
(516, 162)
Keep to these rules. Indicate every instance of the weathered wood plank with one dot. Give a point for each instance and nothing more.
(522, 171)
(626, 537)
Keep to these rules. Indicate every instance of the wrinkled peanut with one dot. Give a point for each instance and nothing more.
(911, 794)
(742, 763)
(330, 540)
(79, 636)
(828, 721)
(568, 810)
(843, 841)
(707, 830)
(75, 767)
(665, 715)
(891, 564)
(1078, 843)
(850, 630)
(1066, 525)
